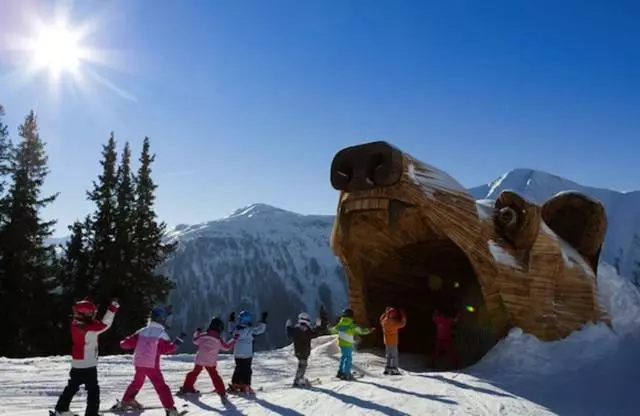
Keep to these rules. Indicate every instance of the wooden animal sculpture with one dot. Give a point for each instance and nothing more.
(410, 235)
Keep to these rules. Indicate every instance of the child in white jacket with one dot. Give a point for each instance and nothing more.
(244, 331)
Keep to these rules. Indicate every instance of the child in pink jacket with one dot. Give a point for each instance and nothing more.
(148, 344)
(209, 343)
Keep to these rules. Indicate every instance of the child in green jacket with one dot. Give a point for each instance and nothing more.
(346, 331)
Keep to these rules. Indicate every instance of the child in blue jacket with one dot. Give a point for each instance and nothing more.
(244, 330)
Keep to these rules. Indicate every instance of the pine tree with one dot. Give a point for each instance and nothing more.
(5, 153)
(151, 250)
(102, 227)
(75, 279)
(28, 266)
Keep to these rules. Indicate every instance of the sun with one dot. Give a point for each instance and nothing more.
(57, 49)
(65, 52)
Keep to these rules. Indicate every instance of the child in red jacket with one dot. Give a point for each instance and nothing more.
(444, 337)
(85, 329)
(149, 343)
(209, 343)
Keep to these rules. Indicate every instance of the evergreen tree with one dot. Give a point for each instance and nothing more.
(75, 279)
(5, 153)
(151, 250)
(27, 265)
(102, 227)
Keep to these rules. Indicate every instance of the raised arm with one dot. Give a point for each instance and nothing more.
(107, 319)
(403, 319)
(259, 328)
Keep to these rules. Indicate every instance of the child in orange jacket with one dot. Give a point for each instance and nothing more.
(391, 322)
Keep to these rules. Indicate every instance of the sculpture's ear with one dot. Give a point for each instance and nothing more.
(579, 220)
(517, 220)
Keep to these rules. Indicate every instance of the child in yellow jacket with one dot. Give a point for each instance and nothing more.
(391, 322)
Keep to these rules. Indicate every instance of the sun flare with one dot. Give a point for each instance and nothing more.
(57, 49)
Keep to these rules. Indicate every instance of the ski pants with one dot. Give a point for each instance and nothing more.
(78, 377)
(302, 368)
(445, 346)
(391, 352)
(157, 380)
(192, 376)
(242, 373)
(345, 360)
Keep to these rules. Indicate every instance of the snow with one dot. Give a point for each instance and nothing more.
(592, 372)
(570, 255)
(502, 256)
(485, 208)
(430, 179)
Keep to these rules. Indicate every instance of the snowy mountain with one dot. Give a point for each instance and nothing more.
(260, 258)
(592, 372)
(622, 244)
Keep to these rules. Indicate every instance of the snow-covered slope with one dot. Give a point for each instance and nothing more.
(259, 258)
(622, 244)
(593, 372)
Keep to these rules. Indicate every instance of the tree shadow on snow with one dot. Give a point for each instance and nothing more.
(392, 389)
(465, 386)
(359, 402)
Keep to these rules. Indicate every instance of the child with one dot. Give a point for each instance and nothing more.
(391, 322)
(208, 343)
(243, 350)
(346, 331)
(444, 338)
(302, 334)
(148, 344)
(85, 330)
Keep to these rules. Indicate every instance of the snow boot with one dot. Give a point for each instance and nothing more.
(183, 392)
(171, 412)
(132, 405)
(394, 372)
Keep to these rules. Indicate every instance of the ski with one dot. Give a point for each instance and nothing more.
(53, 413)
(137, 411)
(311, 383)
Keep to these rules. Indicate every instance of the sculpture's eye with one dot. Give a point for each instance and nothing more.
(508, 217)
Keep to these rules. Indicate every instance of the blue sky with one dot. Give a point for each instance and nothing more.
(248, 101)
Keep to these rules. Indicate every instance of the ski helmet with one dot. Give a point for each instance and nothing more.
(159, 315)
(347, 313)
(216, 324)
(244, 318)
(303, 318)
(84, 309)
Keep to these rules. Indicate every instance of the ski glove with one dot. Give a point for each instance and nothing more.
(115, 305)
(288, 323)
(263, 317)
(180, 339)
(232, 317)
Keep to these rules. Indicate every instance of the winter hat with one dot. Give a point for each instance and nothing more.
(159, 315)
(84, 309)
(216, 324)
(347, 313)
(244, 318)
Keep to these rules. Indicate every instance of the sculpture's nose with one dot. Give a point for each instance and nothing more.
(366, 166)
